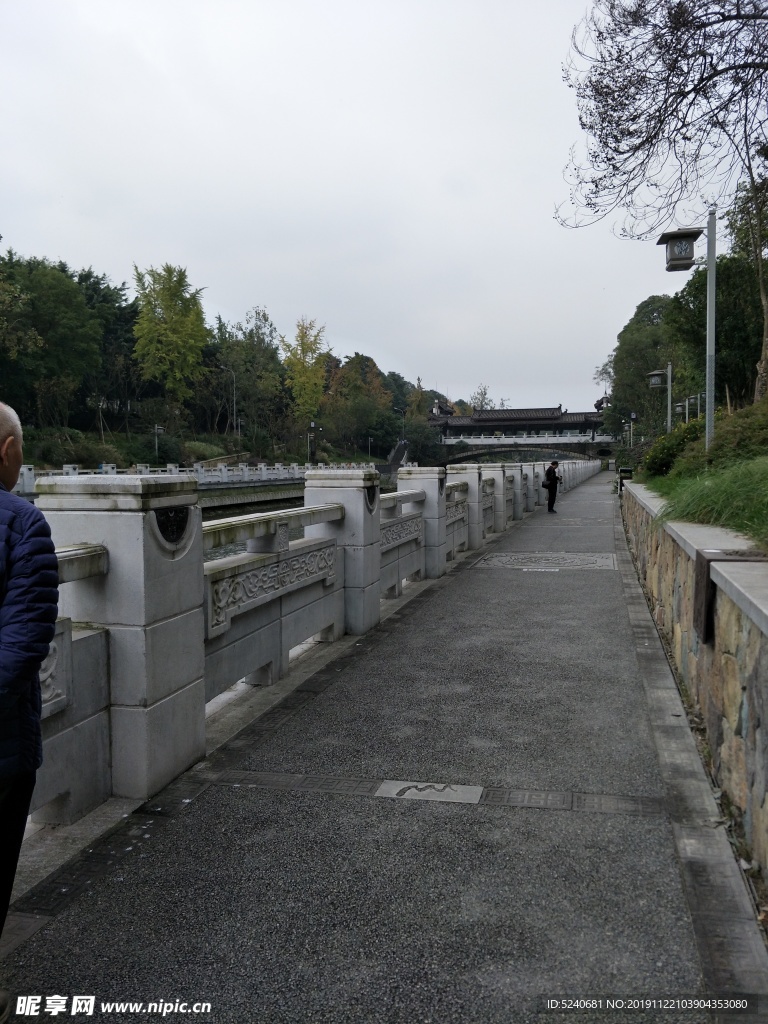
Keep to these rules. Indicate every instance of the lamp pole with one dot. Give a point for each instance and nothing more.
(669, 398)
(680, 250)
(709, 426)
(402, 413)
(655, 378)
(235, 426)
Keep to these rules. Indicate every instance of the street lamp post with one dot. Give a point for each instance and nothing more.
(709, 428)
(312, 441)
(402, 413)
(235, 425)
(680, 257)
(158, 430)
(655, 380)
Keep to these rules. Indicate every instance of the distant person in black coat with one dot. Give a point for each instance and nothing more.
(551, 479)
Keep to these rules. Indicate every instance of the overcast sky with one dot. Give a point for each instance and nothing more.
(389, 168)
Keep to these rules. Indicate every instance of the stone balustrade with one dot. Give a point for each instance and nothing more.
(161, 613)
(206, 475)
(708, 591)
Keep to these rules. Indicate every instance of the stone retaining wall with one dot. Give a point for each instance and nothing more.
(727, 676)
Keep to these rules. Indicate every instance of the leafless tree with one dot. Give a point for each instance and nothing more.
(673, 97)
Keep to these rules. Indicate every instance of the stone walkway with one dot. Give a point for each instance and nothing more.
(490, 801)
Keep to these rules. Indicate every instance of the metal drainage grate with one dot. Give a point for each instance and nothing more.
(547, 561)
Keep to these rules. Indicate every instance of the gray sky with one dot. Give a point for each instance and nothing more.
(389, 168)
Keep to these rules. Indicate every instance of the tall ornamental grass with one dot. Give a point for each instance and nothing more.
(733, 496)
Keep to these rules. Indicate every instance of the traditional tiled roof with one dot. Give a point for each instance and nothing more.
(551, 415)
(579, 417)
(517, 414)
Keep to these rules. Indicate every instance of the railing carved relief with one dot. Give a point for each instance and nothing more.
(251, 580)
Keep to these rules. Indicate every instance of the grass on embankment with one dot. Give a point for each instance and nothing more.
(734, 496)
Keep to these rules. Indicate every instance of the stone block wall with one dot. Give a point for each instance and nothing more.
(728, 675)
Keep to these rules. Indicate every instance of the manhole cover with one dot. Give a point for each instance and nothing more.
(547, 560)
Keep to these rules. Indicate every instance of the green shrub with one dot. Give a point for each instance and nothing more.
(199, 451)
(741, 436)
(51, 449)
(662, 454)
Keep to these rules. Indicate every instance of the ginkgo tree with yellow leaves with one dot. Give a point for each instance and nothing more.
(170, 330)
(304, 361)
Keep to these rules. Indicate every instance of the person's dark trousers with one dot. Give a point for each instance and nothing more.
(551, 498)
(15, 798)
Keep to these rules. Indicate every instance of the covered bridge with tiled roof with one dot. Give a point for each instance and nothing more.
(552, 421)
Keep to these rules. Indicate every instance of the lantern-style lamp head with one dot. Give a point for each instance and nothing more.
(680, 247)
(657, 379)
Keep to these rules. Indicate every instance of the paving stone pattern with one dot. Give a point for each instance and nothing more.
(480, 806)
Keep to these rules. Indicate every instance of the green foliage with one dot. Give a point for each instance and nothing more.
(52, 448)
(399, 388)
(77, 355)
(734, 496)
(642, 347)
(356, 402)
(736, 438)
(116, 383)
(54, 343)
(738, 329)
(305, 368)
(660, 458)
(170, 330)
(16, 335)
(424, 444)
(481, 399)
(200, 451)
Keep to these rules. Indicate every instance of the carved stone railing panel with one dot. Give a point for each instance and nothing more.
(455, 511)
(56, 671)
(236, 585)
(400, 531)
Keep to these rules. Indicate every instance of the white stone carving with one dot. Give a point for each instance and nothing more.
(456, 511)
(48, 674)
(400, 532)
(244, 590)
(283, 537)
(56, 671)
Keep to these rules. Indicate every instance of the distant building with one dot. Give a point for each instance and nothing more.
(549, 422)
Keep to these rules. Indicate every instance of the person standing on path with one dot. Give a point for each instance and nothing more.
(551, 479)
(28, 607)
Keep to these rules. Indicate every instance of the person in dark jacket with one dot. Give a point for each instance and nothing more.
(551, 479)
(28, 607)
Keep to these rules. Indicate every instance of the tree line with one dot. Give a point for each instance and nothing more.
(78, 352)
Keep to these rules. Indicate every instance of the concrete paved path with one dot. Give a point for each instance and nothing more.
(489, 802)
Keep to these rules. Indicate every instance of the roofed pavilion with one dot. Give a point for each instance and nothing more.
(550, 420)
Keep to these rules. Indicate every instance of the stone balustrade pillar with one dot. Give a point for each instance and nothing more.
(515, 473)
(151, 603)
(530, 488)
(471, 473)
(431, 480)
(357, 535)
(495, 471)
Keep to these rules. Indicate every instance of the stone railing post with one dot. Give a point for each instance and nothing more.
(495, 471)
(151, 602)
(431, 480)
(515, 473)
(358, 535)
(471, 473)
